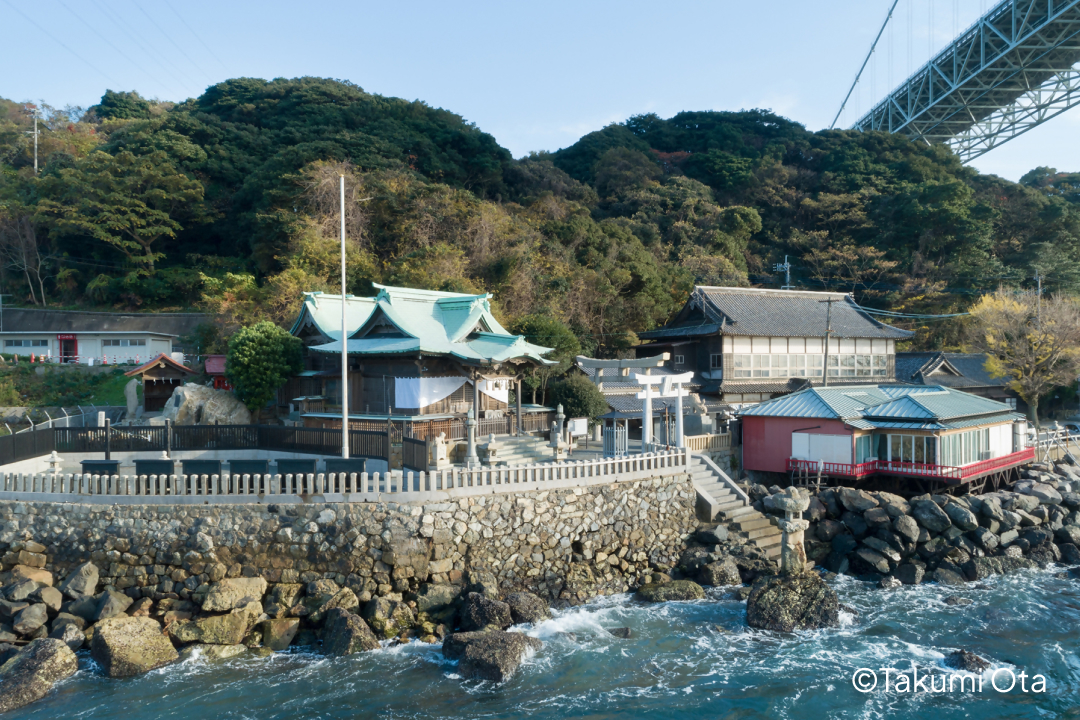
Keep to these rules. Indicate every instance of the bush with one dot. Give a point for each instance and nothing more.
(578, 396)
(260, 359)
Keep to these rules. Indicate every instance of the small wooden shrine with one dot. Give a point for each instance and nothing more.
(160, 377)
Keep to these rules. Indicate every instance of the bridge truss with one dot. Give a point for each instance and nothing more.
(1012, 70)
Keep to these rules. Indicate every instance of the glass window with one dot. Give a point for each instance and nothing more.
(814, 364)
(680, 360)
(780, 366)
(761, 366)
(716, 361)
(920, 449)
(847, 366)
(863, 448)
(742, 365)
(895, 453)
(862, 365)
(26, 343)
(797, 365)
(834, 366)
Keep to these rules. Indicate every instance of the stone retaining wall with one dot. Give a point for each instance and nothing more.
(568, 544)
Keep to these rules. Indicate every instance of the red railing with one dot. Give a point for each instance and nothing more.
(1026, 455)
(895, 467)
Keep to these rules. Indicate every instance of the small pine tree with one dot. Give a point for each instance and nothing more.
(261, 358)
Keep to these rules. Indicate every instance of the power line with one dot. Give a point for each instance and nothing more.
(121, 24)
(169, 38)
(108, 42)
(192, 31)
(47, 34)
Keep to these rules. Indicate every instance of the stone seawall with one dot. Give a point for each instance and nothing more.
(565, 545)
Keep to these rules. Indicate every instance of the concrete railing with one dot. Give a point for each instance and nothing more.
(355, 487)
(708, 443)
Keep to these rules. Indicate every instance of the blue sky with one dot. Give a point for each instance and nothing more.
(537, 76)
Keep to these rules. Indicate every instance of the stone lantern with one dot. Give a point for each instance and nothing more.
(793, 502)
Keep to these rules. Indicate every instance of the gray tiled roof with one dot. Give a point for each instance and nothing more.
(774, 313)
(631, 405)
(30, 320)
(916, 367)
(615, 384)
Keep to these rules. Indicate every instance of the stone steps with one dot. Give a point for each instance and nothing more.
(732, 509)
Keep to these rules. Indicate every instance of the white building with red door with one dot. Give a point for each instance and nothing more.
(94, 337)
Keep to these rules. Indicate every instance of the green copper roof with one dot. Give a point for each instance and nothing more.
(409, 321)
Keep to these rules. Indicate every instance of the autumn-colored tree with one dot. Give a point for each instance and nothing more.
(1033, 342)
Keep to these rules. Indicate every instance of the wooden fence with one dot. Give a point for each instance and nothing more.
(362, 487)
(708, 443)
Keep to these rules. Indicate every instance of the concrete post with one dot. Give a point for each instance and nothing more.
(517, 396)
(678, 417)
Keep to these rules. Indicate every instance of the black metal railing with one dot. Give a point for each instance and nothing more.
(320, 441)
(26, 445)
(414, 454)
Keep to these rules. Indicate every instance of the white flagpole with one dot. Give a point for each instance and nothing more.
(344, 332)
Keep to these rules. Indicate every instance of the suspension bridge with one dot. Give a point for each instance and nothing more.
(1012, 70)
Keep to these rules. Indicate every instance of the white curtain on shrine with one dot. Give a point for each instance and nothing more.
(498, 389)
(421, 392)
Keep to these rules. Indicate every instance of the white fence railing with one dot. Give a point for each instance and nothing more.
(353, 487)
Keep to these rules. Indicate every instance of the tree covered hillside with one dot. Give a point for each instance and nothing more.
(229, 202)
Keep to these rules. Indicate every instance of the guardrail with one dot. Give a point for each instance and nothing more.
(323, 487)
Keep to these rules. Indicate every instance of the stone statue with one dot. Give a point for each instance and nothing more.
(131, 395)
(438, 457)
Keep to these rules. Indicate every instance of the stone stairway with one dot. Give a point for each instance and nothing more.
(522, 450)
(722, 500)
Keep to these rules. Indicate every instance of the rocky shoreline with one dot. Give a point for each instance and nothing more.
(417, 578)
(948, 539)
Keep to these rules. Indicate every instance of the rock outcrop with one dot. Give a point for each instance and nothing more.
(32, 672)
(346, 633)
(492, 655)
(199, 405)
(676, 590)
(125, 647)
(789, 603)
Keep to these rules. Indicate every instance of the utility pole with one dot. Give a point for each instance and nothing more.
(35, 133)
(344, 340)
(1038, 299)
(828, 334)
(786, 269)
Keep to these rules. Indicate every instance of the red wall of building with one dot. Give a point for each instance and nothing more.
(767, 440)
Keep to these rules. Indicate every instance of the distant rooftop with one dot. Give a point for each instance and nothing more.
(34, 320)
(772, 313)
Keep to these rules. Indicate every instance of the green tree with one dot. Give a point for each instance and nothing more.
(547, 331)
(578, 396)
(126, 201)
(260, 359)
(121, 106)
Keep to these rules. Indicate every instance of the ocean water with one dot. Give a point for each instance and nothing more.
(685, 660)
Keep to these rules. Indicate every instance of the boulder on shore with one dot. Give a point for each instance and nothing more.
(32, 672)
(81, 581)
(129, 646)
(788, 603)
(675, 590)
(527, 608)
(278, 634)
(346, 633)
(494, 655)
(231, 593)
(480, 611)
(199, 405)
(229, 629)
(721, 572)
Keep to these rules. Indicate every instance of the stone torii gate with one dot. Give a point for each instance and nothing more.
(670, 386)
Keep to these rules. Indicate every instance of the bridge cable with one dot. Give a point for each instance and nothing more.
(861, 69)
